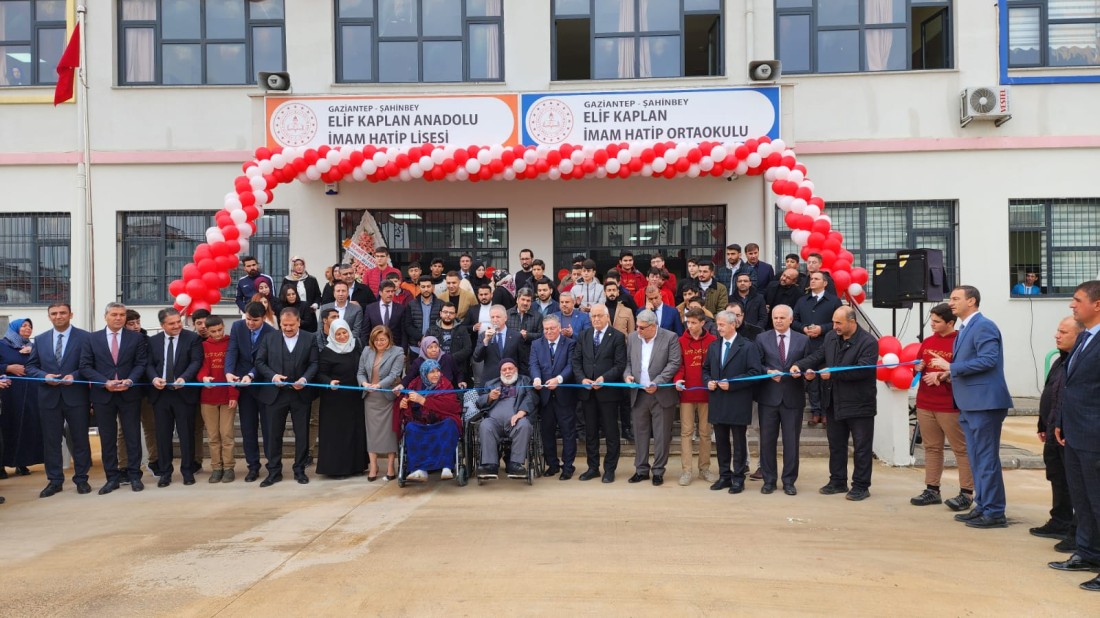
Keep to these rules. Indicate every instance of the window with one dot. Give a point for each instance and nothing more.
(155, 246)
(1054, 33)
(32, 37)
(680, 232)
(850, 36)
(878, 230)
(190, 42)
(1058, 239)
(34, 258)
(423, 235)
(419, 41)
(625, 39)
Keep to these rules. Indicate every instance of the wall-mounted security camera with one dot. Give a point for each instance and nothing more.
(764, 70)
(274, 81)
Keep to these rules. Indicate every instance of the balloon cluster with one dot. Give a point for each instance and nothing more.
(893, 358)
(812, 230)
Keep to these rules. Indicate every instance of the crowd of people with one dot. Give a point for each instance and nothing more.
(380, 354)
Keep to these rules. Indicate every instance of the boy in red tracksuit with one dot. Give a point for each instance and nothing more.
(218, 403)
(693, 349)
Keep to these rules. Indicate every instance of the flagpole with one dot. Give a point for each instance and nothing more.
(84, 170)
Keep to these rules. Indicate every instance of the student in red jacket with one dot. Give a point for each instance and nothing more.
(218, 403)
(693, 350)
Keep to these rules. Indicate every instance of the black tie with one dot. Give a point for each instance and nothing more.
(553, 349)
(170, 362)
(386, 315)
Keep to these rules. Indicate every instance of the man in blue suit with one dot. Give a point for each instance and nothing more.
(56, 359)
(245, 339)
(668, 317)
(175, 357)
(1080, 433)
(551, 366)
(981, 395)
(115, 358)
(498, 343)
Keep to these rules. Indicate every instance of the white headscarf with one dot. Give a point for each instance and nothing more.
(340, 348)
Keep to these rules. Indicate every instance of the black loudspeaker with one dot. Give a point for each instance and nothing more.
(885, 277)
(921, 277)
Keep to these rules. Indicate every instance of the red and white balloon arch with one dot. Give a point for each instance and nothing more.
(811, 229)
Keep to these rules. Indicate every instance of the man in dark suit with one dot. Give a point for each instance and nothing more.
(385, 312)
(730, 404)
(765, 274)
(653, 357)
(245, 338)
(175, 357)
(668, 318)
(290, 361)
(783, 291)
(55, 358)
(497, 343)
(348, 310)
(115, 357)
(813, 315)
(1080, 433)
(551, 365)
(358, 293)
(781, 400)
(598, 357)
(981, 395)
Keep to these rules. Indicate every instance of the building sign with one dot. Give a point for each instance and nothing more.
(721, 115)
(392, 121)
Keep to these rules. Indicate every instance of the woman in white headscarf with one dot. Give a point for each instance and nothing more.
(342, 430)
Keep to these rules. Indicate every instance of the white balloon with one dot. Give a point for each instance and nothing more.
(889, 359)
(473, 166)
(509, 173)
(788, 153)
(769, 175)
(796, 176)
(647, 169)
(812, 210)
(244, 246)
(213, 235)
(519, 166)
(261, 197)
(623, 156)
(183, 299)
(764, 149)
(278, 161)
(238, 216)
(379, 159)
(266, 166)
(302, 177)
(808, 184)
(706, 164)
(798, 206)
(671, 156)
(693, 171)
(741, 169)
(782, 172)
(358, 174)
(754, 160)
(252, 171)
(495, 151)
(484, 157)
(369, 167)
(825, 218)
(855, 289)
(233, 204)
(438, 155)
(426, 163)
(718, 153)
(613, 166)
(554, 173)
(577, 156)
(601, 172)
(260, 210)
(682, 148)
(257, 182)
(659, 165)
(312, 173)
(462, 174)
(800, 237)
(785, 202)
(416, 171)
(323, 166)
(531, 156)
(566, 166)
(404, 174)
(332, 156)
(778, 145)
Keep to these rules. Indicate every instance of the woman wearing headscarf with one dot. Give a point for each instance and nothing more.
(19, 421)
(342, 430)
(304, 284)
(380, 369)
(478, 277)
(431, 350)
(433, 418)
(289, 297)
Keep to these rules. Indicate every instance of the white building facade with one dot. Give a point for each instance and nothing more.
(869, 98)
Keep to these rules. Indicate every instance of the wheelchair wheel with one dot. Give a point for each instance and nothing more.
(402, 473)
(463, 475)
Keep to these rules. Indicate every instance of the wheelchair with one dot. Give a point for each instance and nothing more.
(471, 424)
(460, 467)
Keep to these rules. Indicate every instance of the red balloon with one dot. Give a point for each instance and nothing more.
(901, 378)
(176, 288)
(190, 271)
(841, 278)
(461, 156)
(496, 166)
(449, 165)
(910, 352)
(845, 255)
(694, 155)
(859, 298)
(218, 249)
(196, 305)
(213, 295)
(788, 162)
(543, 166)
(553, 157)
(234, 247)
(202, 252)
(207, 265)
(223, 278)
(196, 288)
(507, 158)
(230, 232)
(792, 219)
(816, 240)
(211, 279)
(821, 225)
(247, 198)
(741, 152)
(251, 212)
(636, 164)
(300, 165)
(660, 148)
(806, 251)
(682, 165)
(832, 244)
(804, 193)
(323, 150)
(562, 274)
(827, 258)
(648, 154)
(345, 168)
(859, 275)
(888, 344)
(356, 158)
(232, 258)
(841, 265)
(883, 374)
(391, 169)
(600, 156)
(439, 173)
(773, 159)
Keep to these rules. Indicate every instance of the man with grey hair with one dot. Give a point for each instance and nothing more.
(781, 400)
(728, 361)
(653, 358)
(496, 343)
(599, 357)
(551, 366)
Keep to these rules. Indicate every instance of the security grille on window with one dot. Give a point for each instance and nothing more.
(1056, 239)
(878, 230)
(1055, 33)
(849, 36)
(34, 258)
(191, 42)
(419, 40)
(625, 39)
(155, 246)
(32, 37)
(423, 235)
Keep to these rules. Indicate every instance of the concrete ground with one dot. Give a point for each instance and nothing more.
(562, 548)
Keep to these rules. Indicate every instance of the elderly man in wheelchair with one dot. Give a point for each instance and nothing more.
(507, 408)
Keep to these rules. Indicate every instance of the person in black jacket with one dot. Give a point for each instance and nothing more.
(849, 400)
(305, 284)
(783, 291)
(751, 301)
(454, 340)
(813, 314)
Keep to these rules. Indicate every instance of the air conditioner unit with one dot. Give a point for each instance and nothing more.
(985, 103)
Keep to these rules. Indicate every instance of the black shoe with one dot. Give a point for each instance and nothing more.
(757, 476)
(790, 490)
(589, 474)
(960, 502)
(3, 474)
(515, 470)
(108, 488)
(768, 488)
(1067, 545)
(22, 471)
(196, 466)
(301, 478)
(566, 474)
(271, 479)
(857, 494)
(927, 498)
(189, 480)
(1, 499)
(136, 485)
(628, 436)
(83, 488)
(985, 521)
(487, 471)
(1074, 563)
(154, 467)
(309, 460)
(1049, 530)
(638, 478)
(832, 489)
(165, 481)
(609, 476)
(251, 476)
(51, 489)
(973, 514)
(658, 480)
(737, 486)
(1092, 585)
(721, 484)
(551, 471)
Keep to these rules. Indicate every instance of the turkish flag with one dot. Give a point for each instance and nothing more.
(66, 69)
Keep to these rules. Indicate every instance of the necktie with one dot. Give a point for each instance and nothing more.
(500, 342)
(726, 352)
(1083, 338)
(386, 315)
(255, 336)
(57, 349)
(114, 347)
(170, 361)
(553, 349)
(596, 339)
(782, 350)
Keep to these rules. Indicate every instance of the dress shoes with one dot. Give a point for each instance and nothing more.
(51, 489)
(1067, 545)
(758, 475)
(609, 476)
(1074, 563)
(737, 487)
(638, 478)
(83, 488)
(987, 521)
(188, 480)
(589, 474)
(251, 476)
(551, 471)
(271, 479)
(136, 485)
(768, 488)
(108, 488)
(1092, 585)
(721, 484)
(857, 494)
(790, 490)
(301, 478)
(832, 489)
(972, 514)
(1, 499)
(566, 474)
(658, 480)
(165, 481)
(1049, 530)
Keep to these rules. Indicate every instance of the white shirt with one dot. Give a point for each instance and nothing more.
(340, 309)
(786, 338)
(111, 334)
(726, 342)
(962, 322)
(705, 285)
(67, 334)
(483, 314)
(647, 354)
(291, 341)
(175, 349)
